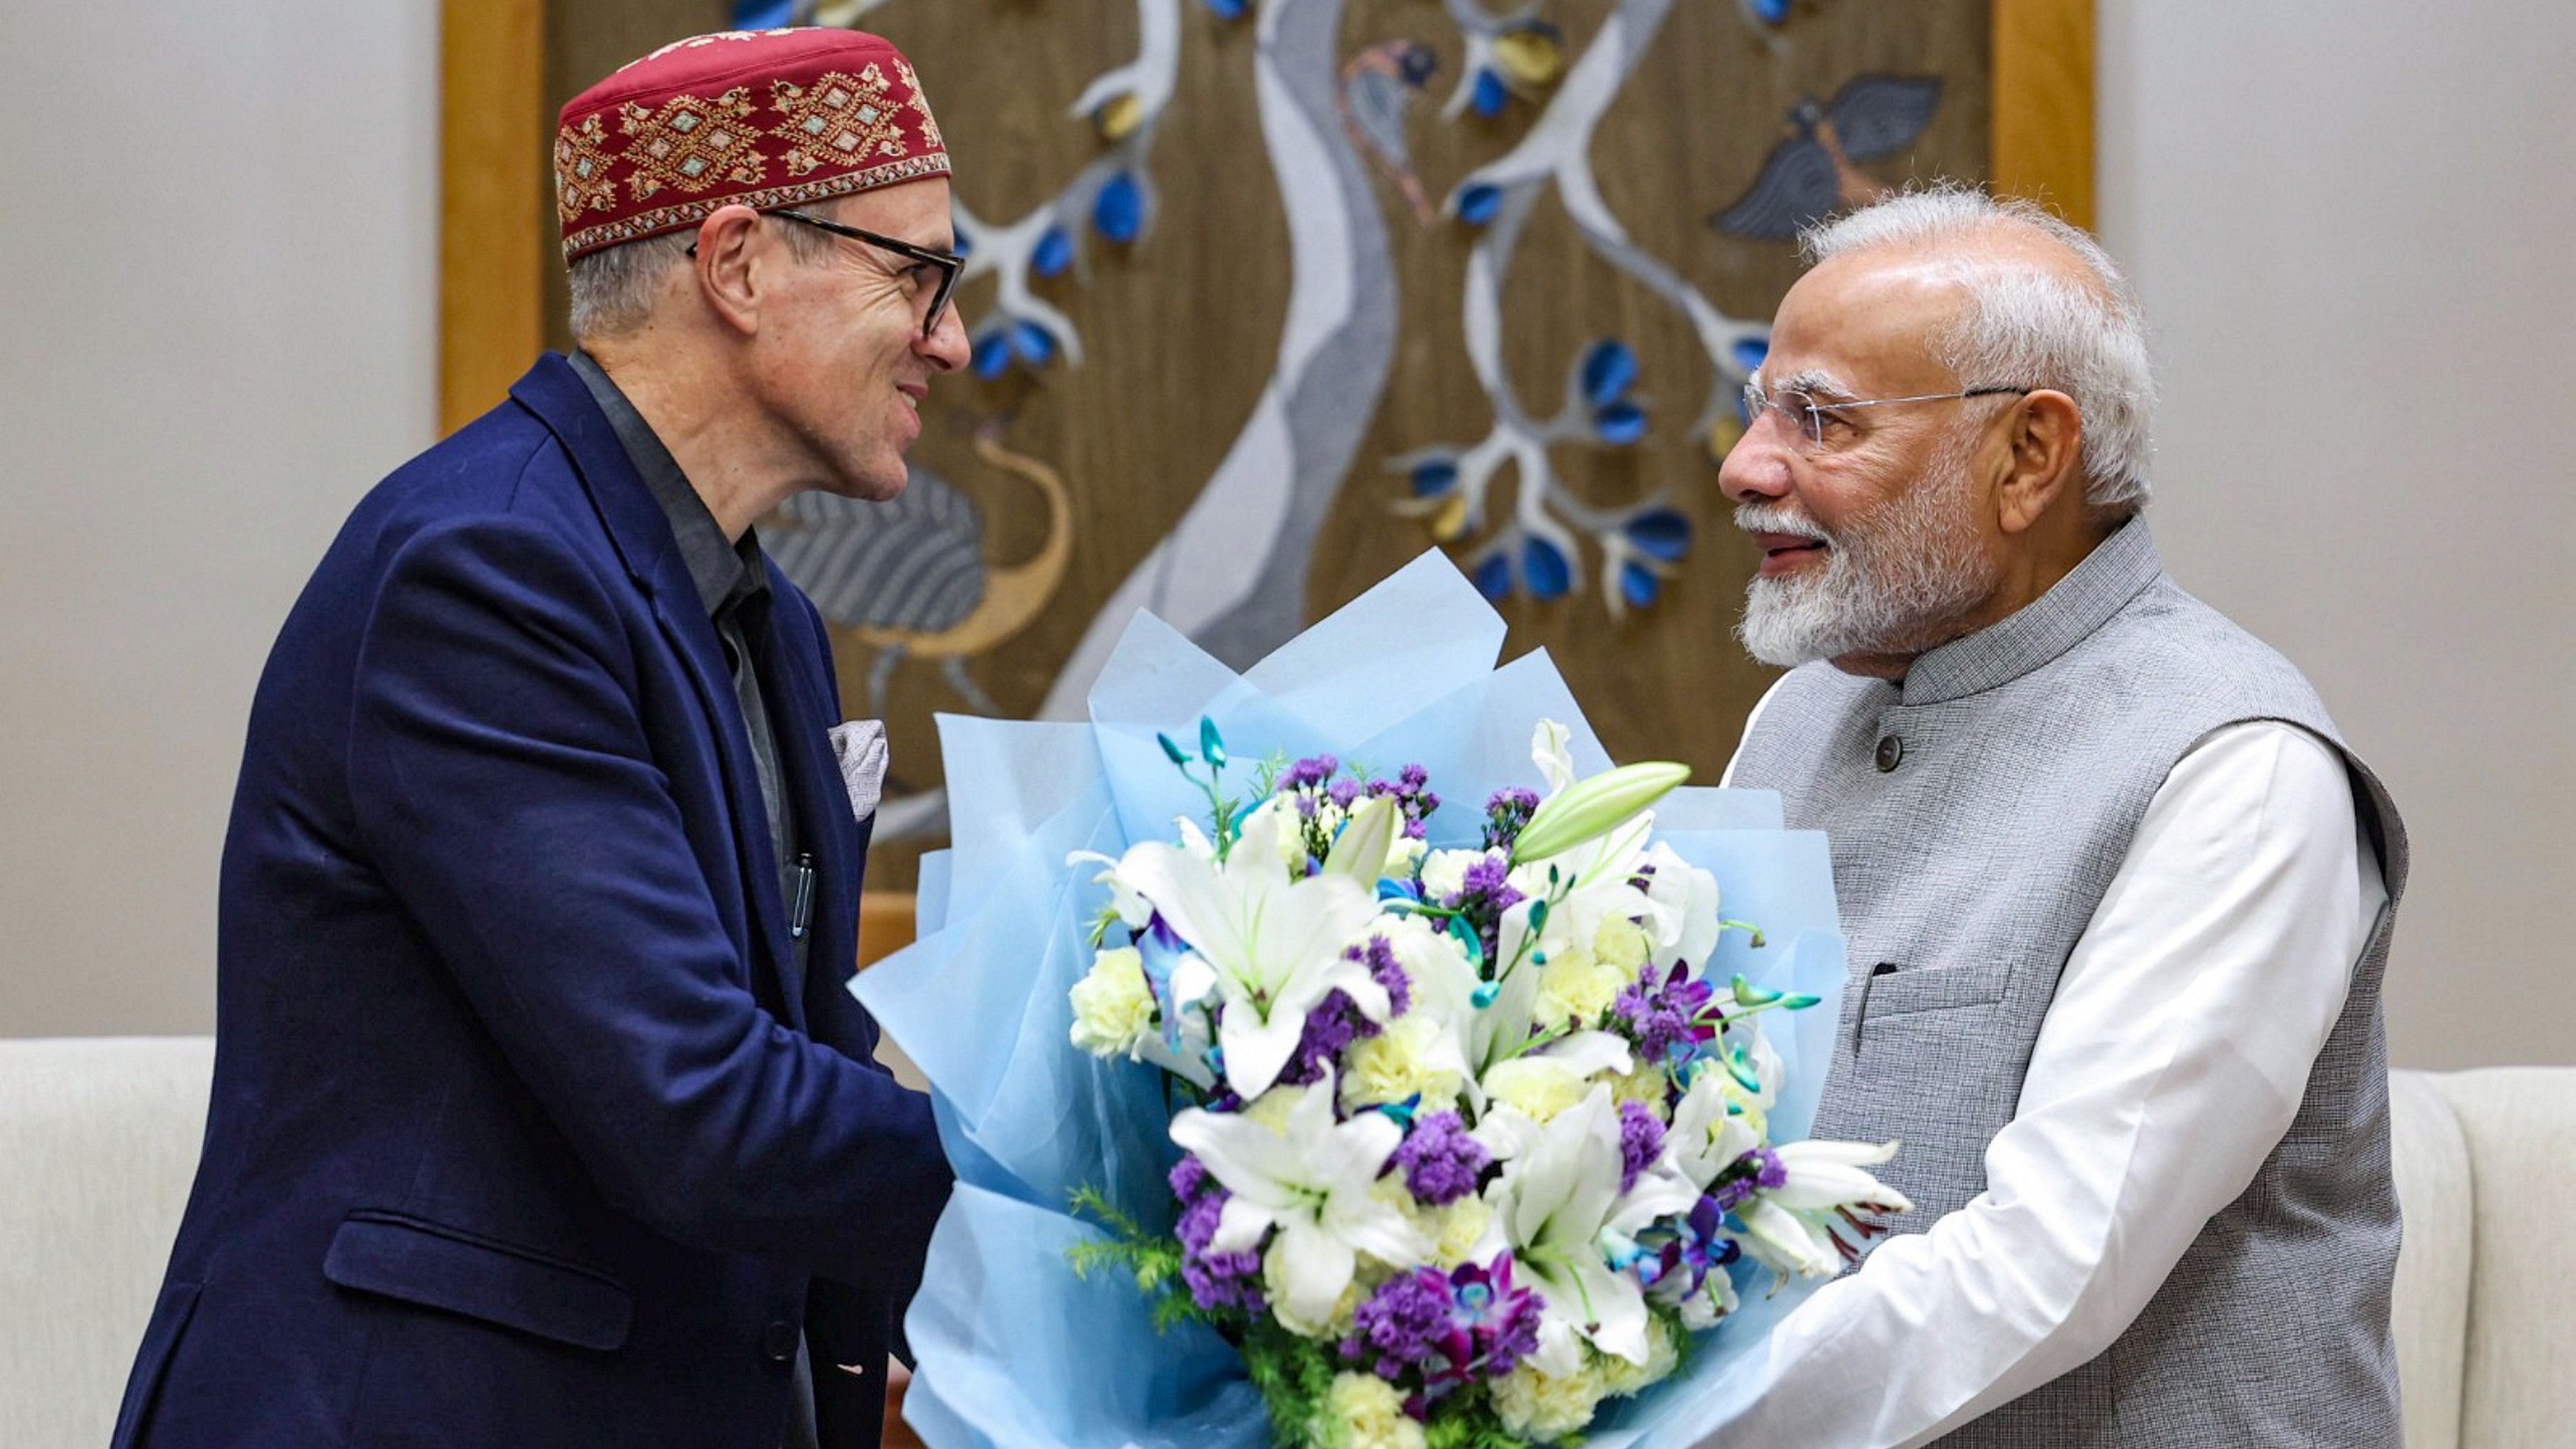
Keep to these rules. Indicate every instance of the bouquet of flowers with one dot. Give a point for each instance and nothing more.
(1412, 1131)
(1471, 1138)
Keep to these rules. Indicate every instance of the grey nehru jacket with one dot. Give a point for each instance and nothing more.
(1977, 813)
(733, 584)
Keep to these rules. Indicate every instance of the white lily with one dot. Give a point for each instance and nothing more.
(1554, 1205)
(1273, 942)
(1827, 1175)
(1524, 1092)
(1786, 1227)
(1310, 1179)
(1705, 1136)
(1360, 851)
(1684, 922)
(1548, 751)
(1130, 908)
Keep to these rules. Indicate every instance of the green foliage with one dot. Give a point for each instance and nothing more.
(1295, 1377)
(1152, 1259)
(1685, 1342)
(1467, 1423)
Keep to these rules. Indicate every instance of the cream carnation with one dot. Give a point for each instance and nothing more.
(1663, 1355)
(1621, 943)
(1371, 1413)
(1579, 987)
(1544, 1406)
(1402, 1061)
(1538, 1087)
(1113, 1006)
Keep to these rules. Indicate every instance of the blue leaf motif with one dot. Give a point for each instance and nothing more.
(1054, 253)
(1620, 423)
(1477, 204)
(1661, 533)
(1034, 344)
(1549, 574)
(1229, 9)
(1490, 94)
(1494, 577)
(1638, 585)
(993, 354)
(1609, 370)
(1434, 478)
(1750, 351)
(1119, 211)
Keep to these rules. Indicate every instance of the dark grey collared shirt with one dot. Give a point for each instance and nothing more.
(733, 584)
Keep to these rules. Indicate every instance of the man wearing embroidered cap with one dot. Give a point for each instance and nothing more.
(541, 1115)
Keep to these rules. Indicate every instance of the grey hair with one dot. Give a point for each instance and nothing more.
(613, 289)
(2028, 326)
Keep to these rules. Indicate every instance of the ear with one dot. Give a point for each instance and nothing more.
(728, 267)
(2044, 444)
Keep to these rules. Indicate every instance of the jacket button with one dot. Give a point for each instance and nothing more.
(1891, 753)
(778, 1341)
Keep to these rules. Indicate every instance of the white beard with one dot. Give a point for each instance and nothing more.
(1896, 580)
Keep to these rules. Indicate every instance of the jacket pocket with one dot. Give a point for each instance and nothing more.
(417, 1261)
(170, 1315)
(1934, 988)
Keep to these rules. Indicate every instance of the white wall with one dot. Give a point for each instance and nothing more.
(2354, 226)
(218, 269)
(2352, 223)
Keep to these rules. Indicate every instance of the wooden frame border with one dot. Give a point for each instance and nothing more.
(494, 133)
(2042, 69)
(492, 255)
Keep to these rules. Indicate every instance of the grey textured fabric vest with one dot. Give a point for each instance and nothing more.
(1978, 812)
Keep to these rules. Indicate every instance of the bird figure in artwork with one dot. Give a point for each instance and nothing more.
(1378, 88)
(910, 578)
(1811, 173)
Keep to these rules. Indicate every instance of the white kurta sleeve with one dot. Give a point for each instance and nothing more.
(2172, 1060)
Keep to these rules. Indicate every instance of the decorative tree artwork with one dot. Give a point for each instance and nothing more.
(1810, 174)
(1267, 296)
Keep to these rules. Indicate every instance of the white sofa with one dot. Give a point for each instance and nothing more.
(98, 1139)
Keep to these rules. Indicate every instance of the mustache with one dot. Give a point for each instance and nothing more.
(1772, 518)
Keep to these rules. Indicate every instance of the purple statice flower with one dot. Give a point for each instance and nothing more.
(1440, 1162)
(1404, 1323)
(1308, 773)
(1188, 1176)
(1641, 1141)
(1387, 972)
(1662, 1011)
(1343, 791)
(1216, 1280)
(1411, 790)
(1334, 1024)
(1482, 896)
(1759, 1168)
(1506, 811)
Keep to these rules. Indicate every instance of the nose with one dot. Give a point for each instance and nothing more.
(1757, 467)
(946, 347)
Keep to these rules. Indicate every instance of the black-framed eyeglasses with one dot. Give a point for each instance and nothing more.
(949, 264)
(1808, 414)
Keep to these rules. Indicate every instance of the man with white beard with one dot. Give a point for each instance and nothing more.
(2117, 897)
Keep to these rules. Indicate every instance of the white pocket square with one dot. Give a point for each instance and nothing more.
(860, 747)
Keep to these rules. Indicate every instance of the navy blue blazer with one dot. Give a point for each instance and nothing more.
(516, 1138)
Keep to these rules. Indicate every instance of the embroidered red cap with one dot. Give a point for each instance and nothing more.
(765, 118)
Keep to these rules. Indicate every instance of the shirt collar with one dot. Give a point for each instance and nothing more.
(2118, 569)
(725, 573)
